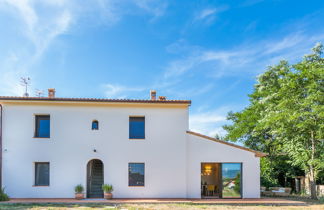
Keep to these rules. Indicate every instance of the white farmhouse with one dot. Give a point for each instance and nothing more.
(142, 147)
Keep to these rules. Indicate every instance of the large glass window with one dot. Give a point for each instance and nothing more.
(42, 127)
(231, 180)
(137, 127)
(210, 180)
(41, 174)
(136, 174)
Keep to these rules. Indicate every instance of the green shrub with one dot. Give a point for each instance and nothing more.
(79, 188)
(3, 195)
(321, 199)
(107, 188)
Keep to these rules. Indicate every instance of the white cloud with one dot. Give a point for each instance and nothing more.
(198, 57)
(218, 60)
(119, 91)
(209, 122)
(38, 30)
(207, 117)
(246, 58)
(41, 29)
(222, 56)
(219, 131)
(10, 85)
(179, 67)
(112, 11)
(250, 58)
(287, 42)
(205, 13)
(41, 23)
(156, 8)
(11, 69)
(209, 15)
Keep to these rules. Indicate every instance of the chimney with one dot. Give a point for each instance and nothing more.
(153, 94)
(51, 92)
(162, 98)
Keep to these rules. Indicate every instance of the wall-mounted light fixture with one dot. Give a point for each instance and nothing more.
(207, 170)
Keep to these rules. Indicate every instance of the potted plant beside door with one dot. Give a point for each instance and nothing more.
(107, 188)
(79, 192)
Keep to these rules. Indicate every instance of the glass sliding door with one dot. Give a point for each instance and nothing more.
(210, 180)
(231, 180)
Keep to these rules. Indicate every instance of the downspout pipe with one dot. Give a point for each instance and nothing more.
(1, 110)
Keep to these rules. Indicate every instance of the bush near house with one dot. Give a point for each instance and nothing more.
(3, 195)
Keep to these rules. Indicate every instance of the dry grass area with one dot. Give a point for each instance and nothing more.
(220, 207)
(302, 204)
(153, 207)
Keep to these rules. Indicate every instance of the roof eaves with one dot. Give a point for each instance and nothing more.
(14, 98)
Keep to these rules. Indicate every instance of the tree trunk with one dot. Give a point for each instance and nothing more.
(312, 180)
(312, 183)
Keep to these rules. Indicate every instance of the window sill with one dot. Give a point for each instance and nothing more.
(136, 186)
(40, 186)
(35, 137)
(136, 138)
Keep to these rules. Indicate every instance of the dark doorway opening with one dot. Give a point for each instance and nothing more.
(95, 179)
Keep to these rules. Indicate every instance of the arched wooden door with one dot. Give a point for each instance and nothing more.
(95, 179)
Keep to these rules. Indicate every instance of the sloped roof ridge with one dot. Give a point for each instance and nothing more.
(257, 153)
(8, 98)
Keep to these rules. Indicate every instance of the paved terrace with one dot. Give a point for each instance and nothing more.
(257, 201)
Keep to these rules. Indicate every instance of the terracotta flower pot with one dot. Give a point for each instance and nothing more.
(108, 195)
(79, 196)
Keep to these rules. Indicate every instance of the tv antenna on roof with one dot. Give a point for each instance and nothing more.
(39, 93)
(25, 81)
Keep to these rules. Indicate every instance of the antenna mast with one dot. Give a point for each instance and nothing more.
(39, 93)
(25, 81)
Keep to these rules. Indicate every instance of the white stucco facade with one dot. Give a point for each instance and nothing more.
(172, 156)
(202, 150)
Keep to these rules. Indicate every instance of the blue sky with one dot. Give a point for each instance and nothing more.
(208, 51)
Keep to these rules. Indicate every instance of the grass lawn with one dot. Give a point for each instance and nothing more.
(314, 206)
(310, 204)
(153, 206)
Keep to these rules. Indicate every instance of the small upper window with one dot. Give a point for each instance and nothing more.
(42, 126)
(137, 127)
(95, 125)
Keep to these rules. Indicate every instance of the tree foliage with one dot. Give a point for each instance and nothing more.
(285, 118)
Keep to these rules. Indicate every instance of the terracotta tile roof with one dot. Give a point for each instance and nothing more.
(257, 153)
(17, 98)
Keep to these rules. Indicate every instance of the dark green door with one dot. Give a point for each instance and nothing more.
(95, 179)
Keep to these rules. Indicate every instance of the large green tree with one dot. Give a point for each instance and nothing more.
(285, 117)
